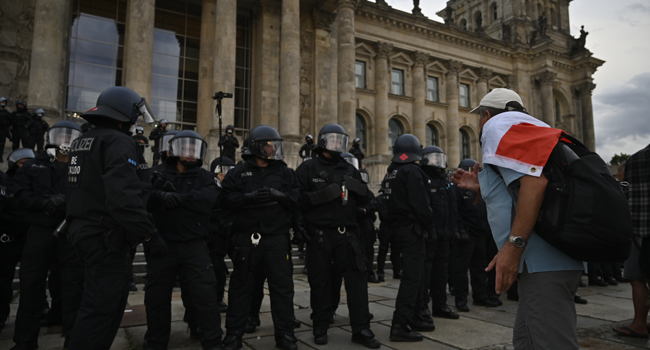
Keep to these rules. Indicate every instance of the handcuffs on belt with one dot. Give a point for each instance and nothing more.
(256, 241)
(5, 238)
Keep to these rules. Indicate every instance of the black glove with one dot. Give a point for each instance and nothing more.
(170, 200)
(261, 196)
(361, 211)
(54, 205)
(463, 237)
(157, 246)
(278, 196)
(169, 187)
(432, 237)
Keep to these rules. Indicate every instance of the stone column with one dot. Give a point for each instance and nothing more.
(138, 47)
(323, 69)
(289, 75)
(588, 135)
(266, 64)
(546, 79)
(453, 142)
(206, 65)
(419, 94)
(347, 88)
(47, 67)
(381, 97)
(223, 75)
(484, 75)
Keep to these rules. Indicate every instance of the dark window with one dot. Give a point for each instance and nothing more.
(432, 135)
(243, 75)
(464, 145)
(495, 13)
(360, 74)
(395, 130)
(463, 24)
(432, 89)
(361, 131)
(464, 95)
(398, 82)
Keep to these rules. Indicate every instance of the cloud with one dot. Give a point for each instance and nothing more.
(638, 7)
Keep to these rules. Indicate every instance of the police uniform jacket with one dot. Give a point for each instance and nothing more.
(472, 218)
(333, 213)
(370, 209)
(38, 127)
(21, 120)
(406, 190)
(156, 135)
(11, 217)
(5, 122)
(443, 204)
(266, 219)
(199, 193)
(306, 150)
(105, 180)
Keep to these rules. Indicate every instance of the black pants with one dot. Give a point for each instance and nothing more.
(330, 252)
(39, 257)
(37, 141)
(413, 251)
(258, 295)
(438, 282)
(470, 255)
(387, 240)
(3, 139)
(423, 294)
(273, 256)
(10, 254)
(191, 261)
(156, 155)
(367, 232)
(105, 293)
(18, 136)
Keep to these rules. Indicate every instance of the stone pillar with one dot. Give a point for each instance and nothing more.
(546, 79)
(223, 75)
(323, 69)
(589, 138)
(453, 87)
(289, 77)
(266, 64)
(346, 75)
(381, 97)
(484, 75)
(138, 47)
(47, 63)
(419, 94)
(206, 65)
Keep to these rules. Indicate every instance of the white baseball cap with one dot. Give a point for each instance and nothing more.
(498, 98)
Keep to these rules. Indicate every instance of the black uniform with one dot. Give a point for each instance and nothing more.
(20, 124)
(357, 152)
(229, 144)
(143, 142)
(185, 229)
(366, 218)
(38, 180)
(334, 244)
(5, 123)
(306, 150)
(104, 183)
(37, 129)
(272, 222)
(156, 136)
(406, 190)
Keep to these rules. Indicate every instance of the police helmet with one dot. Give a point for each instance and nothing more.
(434, 156)
(188, 144)
(39, 112)
(333, 138)
(467, 164)
(61, 135)
(231, 128)
(17, 155)
(3, 102)
(350, 158)
(356, 141)
(221, 165)
(139, 130)
(265, 142)
(163, 121)
(407, 149)
(120, 104)
(309, 137)
(21, 102)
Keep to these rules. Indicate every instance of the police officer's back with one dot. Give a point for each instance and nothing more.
(20, 123)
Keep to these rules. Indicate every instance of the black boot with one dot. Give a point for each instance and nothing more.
(286, 342)
(320, 335)
(296, 323)
(400, 332)
(425, 315)
(461, 304)
(421, 326)
(445, 312)
(380, 276)
(366, 338)
(372, 278)
(232, 342)
(223, 307)
(251, 324)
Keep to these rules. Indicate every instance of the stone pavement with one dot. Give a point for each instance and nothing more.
(481, 328)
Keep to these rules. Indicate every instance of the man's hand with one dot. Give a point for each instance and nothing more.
(466, 179)
(507, 266)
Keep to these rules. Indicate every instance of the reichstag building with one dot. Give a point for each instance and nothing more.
(299, 64)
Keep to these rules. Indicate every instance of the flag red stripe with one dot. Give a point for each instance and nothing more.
(528, 143)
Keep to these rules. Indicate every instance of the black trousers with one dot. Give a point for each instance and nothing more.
(37, 141)
(367, 232)
(471, 255)
(18, 136)
(4, 135)
(423, 294)
(438, 282)
(105, 292)
(72, 282)
(40, 255)
(388, 240)
(10, 254)
(272, 256)
(191, 261)
(413, 251)
(331, 253)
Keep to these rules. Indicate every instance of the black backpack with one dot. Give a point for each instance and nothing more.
(585, 213)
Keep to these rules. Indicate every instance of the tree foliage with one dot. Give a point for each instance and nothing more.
(619, 158)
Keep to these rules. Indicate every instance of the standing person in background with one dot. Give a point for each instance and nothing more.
(307, 149)
(20, 123)
(156, 136)
(37, 129)
(5, 125)
(229, 143)
(142, 140)
(356, 150)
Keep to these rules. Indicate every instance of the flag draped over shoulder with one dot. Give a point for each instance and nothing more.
(518, 141)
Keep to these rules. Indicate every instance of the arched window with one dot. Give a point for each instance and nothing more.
(495, 13)
(361, 131)
(558, 111)
(395, 130)
(464, 145)
(463, 24)
(432, 136)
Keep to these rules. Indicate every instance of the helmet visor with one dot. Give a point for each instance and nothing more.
(164, 147)
(62, 138)
(352, 160)
(365, 177)
(438, 160)
(223, 169)
(271, 149)
(188, 147)
(335, 142)
(145, 112)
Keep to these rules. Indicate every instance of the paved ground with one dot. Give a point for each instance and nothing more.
(481, 328)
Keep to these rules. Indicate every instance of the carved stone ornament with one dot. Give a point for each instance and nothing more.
(323, 20)
(420, 58)
(547, 77)
(454, 67)
(273, 7)
(484, 74)
(383, 49)
(585, 88)
(347, 3)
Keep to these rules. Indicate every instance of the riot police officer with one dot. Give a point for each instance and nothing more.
(356, 150)
(406, 190)
(156, 136)
(229, 143)
(181, 203)
(106, 213)
(332, 191)
(387, 241)
(5, 124)
(263, 194)
(37, 129)
(307, 149)
(142, 140)
(20, 123)
(40, 194)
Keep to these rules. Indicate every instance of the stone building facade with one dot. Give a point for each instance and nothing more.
(299, 64)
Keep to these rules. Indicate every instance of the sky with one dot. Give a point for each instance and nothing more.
(618, 34)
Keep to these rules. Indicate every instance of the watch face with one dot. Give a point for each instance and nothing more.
(519, 242)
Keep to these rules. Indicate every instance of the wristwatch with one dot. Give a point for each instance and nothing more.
(518, 241)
